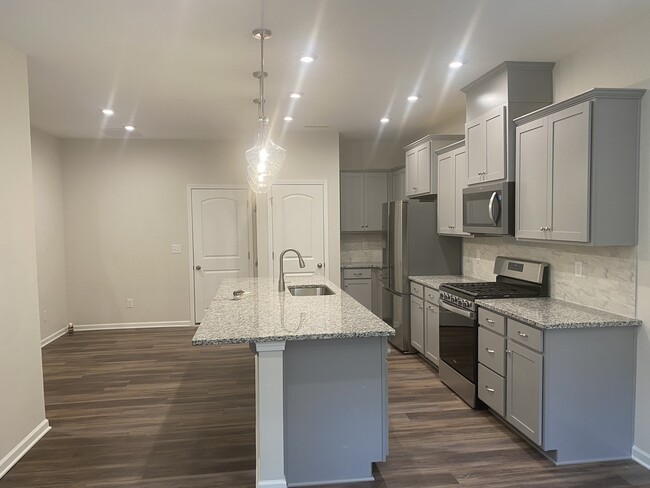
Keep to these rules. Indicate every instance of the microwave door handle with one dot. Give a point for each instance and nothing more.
(491, 208)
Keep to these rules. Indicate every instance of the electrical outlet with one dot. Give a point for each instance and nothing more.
(129, 303)
(578, 269)
(176, 248)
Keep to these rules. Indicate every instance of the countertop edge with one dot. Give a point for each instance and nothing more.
(631, 322)
(307, 337)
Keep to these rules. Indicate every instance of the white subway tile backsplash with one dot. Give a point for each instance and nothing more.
(608, 279)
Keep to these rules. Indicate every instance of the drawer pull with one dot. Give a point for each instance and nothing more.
(357, 274)
(491, 390)
(522, 334)
(490, 351)
(431, 308)
(490, 321)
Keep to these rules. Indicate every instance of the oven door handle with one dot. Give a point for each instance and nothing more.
(459, 311)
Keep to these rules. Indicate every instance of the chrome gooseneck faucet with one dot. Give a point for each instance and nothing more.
(301, 262)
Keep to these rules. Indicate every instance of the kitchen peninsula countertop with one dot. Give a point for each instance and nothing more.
(264, 314)
(360, 265)
(552, 313)
(434, 281)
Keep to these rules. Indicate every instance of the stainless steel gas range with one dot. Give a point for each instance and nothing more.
(516, 278)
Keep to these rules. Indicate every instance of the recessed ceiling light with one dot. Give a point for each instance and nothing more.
(308, 58)
(412, 98)
(295, 94)
(384, 120)
(288, 118)
(129, 128)
(107, 111)
(456, 64)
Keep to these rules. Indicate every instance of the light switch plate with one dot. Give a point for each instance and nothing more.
(176, 248)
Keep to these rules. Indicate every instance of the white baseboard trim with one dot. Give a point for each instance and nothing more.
(641, 457)
(131, 325)
(7, 462)
(55, 336)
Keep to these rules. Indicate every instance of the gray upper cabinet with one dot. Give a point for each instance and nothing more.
(577, 167)
(509, 90)
(452, 178)
(486, 146)
(398, 184)
(361, 197)
(421, 167)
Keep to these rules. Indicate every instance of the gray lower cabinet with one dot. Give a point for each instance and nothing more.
(357, 283)
(417, 324)
(524, 390)
(570, 391)
(431, 326)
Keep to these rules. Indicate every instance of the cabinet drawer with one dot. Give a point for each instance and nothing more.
(356, 273)
(526, 335)
(431, 295)
(491, 350)
(492, 389)
(492, 321)
(417, 290)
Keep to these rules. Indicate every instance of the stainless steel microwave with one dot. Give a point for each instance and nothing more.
(489, 209)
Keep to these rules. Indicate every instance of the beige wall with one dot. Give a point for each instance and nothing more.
(21, 377)
(360, 154)
(50, 233)
(126, 203)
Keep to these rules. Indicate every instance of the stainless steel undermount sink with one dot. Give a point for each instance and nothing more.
(310, 290)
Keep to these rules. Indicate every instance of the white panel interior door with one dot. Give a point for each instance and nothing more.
(298, 213)
(220, 240)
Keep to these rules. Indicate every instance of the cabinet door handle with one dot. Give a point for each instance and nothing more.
(489, 321)
(431, 309)
(508, 351)
(522, 334)
(491, 390)
(490, 351)
(420, 307)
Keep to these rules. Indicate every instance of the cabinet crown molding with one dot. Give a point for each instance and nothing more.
(434, 137)
(596, 93)
(451, 147)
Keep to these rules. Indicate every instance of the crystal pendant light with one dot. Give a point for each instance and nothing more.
(265, 158)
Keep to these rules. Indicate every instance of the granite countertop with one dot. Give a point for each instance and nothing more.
(436, 280)
(360, 265)
(264, 314)
(551, 313)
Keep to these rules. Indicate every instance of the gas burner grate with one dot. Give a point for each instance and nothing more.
(492, 289)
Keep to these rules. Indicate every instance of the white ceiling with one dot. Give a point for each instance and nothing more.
(182, 68)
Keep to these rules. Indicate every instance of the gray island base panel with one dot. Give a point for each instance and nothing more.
(321, 380)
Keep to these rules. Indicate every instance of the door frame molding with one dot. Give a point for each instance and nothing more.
(326, 251)
(190, 235)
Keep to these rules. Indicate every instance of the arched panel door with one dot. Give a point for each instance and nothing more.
(298, 213)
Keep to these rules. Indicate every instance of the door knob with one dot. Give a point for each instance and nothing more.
(319, 265)
(198, 267)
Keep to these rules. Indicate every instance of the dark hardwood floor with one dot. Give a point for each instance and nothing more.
(143, 408)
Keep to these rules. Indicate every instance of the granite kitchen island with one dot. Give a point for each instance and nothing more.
(321, 378)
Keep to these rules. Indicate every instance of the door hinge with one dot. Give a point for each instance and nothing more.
(272, 255)
(249, 254)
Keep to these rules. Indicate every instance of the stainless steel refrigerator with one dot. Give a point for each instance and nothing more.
(411, 246)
